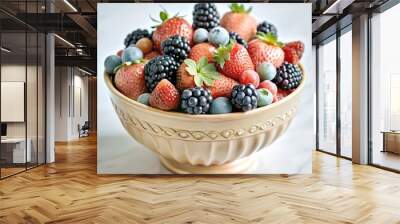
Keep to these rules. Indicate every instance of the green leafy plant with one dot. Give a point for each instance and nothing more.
(223, 53)
(203, 72)
(239, 8)
(269, 38)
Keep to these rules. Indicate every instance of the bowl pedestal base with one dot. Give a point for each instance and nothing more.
(244, 165)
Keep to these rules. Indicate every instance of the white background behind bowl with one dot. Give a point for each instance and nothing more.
(118, 153)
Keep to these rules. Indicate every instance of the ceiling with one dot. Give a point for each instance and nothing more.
(75, 23)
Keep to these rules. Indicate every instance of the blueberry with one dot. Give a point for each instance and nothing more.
(131, 54)
(266, 71)
(200, 35)
(218, 36)
(221, 105)
(266, 97)
(111, 63)
(144, 98)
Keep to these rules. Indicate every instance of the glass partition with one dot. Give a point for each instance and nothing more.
(14, 144)
(327, 96)
(22, 77)
(346, 93)
(385, 87)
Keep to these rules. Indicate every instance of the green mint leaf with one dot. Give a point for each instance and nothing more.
(202, 63)
(207, 80)
(190, 63)
(191, 70)
(215, 75)
(198, 81)
(209, 68)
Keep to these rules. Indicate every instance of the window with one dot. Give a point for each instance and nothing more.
(327, 97)
(385, 87)
(346, 93)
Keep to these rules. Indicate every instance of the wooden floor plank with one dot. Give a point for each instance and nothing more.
(70, 191)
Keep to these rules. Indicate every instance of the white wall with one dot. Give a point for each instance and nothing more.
(71, 102)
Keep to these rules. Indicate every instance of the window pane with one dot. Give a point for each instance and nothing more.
(14, 153)
(327, 97)
(386, 89)
(346, 93)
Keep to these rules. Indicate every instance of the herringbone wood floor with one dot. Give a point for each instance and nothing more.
(70, 191)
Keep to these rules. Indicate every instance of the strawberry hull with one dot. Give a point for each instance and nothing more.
(172, 27)
(239, 61)
(262, 52)
(240, 23)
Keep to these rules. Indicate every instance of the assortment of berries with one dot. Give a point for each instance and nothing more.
(213, 66)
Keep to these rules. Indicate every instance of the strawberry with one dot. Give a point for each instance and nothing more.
(204, 74)
(165, 96)
(233, 59)
(293, 51)
(202, 49)
(129, 80)
(222, 87)
(170, 27)
(151, 55)
(184, 80)
(240, 21)
(266, 48)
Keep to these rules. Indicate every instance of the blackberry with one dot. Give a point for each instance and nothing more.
(159, 68)
(136, 35)
(205, 15)
(176, 47)
(244, 97)
(266, 27)
(235, 36)
(196, 100)
(288, 76)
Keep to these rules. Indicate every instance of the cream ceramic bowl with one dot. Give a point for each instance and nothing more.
(205, 144)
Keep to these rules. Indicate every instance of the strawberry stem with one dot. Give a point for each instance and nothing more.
(202, 72)
(239, 8)
(269, 38)
(223, 53)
